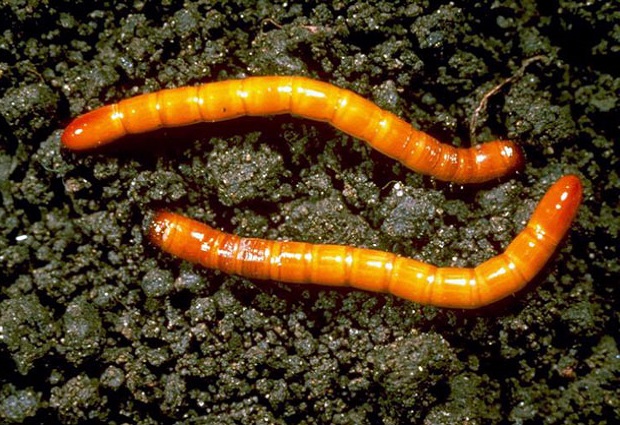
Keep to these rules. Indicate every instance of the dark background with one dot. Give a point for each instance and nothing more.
(97, 325)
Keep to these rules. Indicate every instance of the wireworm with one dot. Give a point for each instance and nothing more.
(338, 265)
(303, 97)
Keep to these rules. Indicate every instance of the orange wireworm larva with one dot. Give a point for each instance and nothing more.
(298, 96)
(337, 265)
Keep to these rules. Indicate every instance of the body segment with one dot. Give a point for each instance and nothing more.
(337, 265)
(299, 96)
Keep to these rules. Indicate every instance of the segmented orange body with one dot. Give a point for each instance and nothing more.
(303, 97)
(372, 270)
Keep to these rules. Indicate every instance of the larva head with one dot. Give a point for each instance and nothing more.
(181, 236)
(557, 209)
(93, 129)
(162, 229)
(497, 159)
(511, 154)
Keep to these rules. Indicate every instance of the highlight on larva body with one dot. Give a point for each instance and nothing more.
(300, 96)
(337, 265)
